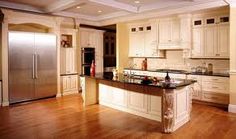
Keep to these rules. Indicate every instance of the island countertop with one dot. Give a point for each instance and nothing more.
(121, 78)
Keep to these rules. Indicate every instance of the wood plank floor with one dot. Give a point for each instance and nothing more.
(65, 118)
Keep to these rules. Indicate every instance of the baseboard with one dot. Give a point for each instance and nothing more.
(6, 103)
(232, 108)
(58, 95)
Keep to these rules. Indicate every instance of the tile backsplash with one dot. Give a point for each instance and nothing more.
(175, 60)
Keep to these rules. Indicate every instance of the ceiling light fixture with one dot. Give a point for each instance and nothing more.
(78, 7)
(137, 2)
(99, 11)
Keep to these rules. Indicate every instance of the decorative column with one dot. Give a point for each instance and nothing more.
(168, 111)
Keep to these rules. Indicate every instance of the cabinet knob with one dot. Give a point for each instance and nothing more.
(217, 54)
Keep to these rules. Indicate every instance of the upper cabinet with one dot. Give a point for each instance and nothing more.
(143, 40)
(210, 37)
(169, 34)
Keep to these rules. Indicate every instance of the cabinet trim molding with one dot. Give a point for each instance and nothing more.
(232, 108)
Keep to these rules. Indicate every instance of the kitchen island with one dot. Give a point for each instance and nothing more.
(168, 103)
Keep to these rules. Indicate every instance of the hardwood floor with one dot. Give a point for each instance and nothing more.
(66, 118)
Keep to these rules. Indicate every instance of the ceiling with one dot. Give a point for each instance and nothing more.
(100, 10)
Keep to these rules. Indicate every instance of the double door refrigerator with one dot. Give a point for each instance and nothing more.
(32, 66)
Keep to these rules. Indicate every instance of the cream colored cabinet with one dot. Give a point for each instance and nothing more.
(136, 41)
(154, 107)
(169, 34)
(105, 93)
(210, 41)
(87, 38)
(211, 38)
(69, 84)
(151, 41)
(223, 40)
(68, 60)
(143, 40)
(198, 42)
(137, 101)
(197, 87)
(94, 39)
(119, 97)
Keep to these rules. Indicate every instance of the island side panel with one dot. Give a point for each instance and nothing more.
(89, 90)
(176, 108)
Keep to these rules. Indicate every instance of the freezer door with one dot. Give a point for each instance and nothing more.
(45, 65)
(21, 82)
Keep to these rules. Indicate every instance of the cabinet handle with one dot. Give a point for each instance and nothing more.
(217, 54)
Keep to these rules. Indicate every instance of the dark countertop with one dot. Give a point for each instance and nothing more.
(68, 74)
(185, 72)
(124, 79)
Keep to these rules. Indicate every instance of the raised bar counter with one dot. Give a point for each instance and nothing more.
(168, 103)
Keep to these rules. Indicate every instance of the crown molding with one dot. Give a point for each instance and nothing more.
(231, 3)
(22, 7)
(115, 4)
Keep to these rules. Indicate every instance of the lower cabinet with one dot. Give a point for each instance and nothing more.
(137, 101)
(140, 104)
(69, 84)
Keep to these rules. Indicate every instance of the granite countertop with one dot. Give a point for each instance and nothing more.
(185, 72)
(125, 79)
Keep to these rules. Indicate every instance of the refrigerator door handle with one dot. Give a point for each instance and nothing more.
(36, 66)
(33, 72)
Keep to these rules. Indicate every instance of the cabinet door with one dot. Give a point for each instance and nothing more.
(119, 97)
(198, 42)
(175, 31)
(99, 52)
(74, 82)
(84, 38)
(223, 41)
(105, 93)
(151, 41)
(136, 44)
(65, 84)
(137, 101)
(154, 105)
(71, 64)
(210, 41)
(164, 31)
(197, 87)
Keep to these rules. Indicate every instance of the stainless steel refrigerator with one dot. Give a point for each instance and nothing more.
(32, 66)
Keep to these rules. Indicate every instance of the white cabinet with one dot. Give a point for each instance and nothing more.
(198, 42)
(68, 60)
(105, 93)
(137, 101)
(211, 38)
(69, 84)
(169, 34)
(87, 38)
(119, 97)
(154, 107)
(197, 87)
(223, 41)
(94, 39)
(143, 40)
(136, 41)
(210, 41)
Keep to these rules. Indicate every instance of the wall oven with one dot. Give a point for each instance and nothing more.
(87, 56)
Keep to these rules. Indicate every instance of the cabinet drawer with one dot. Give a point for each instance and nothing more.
(216, 98)
(224, 80)
(215, 87)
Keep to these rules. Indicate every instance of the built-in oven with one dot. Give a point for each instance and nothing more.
(87, 56)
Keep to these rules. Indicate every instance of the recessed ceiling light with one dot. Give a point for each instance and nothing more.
(99, 11)
(137, 2)
(78, 7)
